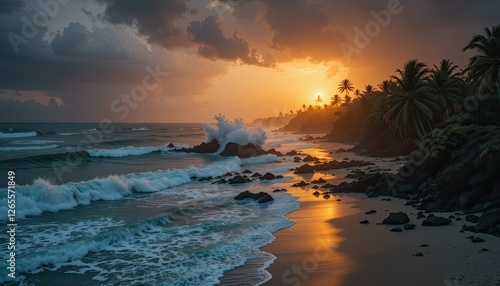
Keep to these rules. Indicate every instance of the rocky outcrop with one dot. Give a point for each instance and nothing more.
(242, 151)
(261, 197)
(211, 147)
(306, 168)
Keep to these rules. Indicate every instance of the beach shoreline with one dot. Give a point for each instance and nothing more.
(328, 246)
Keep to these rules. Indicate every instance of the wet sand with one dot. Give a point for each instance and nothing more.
(328, 245)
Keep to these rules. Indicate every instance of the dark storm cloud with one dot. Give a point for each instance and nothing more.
(8, 7)
(302, 29)
(214, 45)
(154, 19)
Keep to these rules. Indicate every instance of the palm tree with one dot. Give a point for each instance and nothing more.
(412, 107)
(443, 84)
(357, 93)
(484, 68)
(369, 89)
(448, 68)
(347, 100)
(318, 100)
(362, 105)
(387, 87)
(335, 100)
(346, 86)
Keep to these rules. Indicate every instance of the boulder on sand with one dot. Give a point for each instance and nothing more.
(304, 169)
(396, 218)
(433, 220)
(268, 176)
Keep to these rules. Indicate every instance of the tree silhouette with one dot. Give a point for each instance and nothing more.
(345, 86)
(484, 68)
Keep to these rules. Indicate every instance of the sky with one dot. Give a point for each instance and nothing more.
(188, 60)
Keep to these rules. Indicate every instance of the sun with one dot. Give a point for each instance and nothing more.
(318, 98)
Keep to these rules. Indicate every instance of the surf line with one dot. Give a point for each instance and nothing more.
(11, 223)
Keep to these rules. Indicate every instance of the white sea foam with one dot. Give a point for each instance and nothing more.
(17, 135)
(226, 131)
(268, 158)
(43, 196)
(67, 133)
(197, 252)
(34, 142)
(127, 151)
(140, 129)
(28, 148)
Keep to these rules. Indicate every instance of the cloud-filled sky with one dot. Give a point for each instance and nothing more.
(187, 60)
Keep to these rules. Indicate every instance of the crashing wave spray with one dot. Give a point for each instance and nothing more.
(227, 131)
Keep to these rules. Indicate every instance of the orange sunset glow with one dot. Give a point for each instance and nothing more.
(249, 142)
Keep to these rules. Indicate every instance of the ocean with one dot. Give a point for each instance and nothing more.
(117, 206)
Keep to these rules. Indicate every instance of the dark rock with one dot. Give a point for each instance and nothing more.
(297, 160)
(220, 181)
(396, 218)
(247, 172)
(409, 226)
(316, 193)
(396, 229)
(274, 152)
(301, 184)
(228, 174)
(418, 254)
(315, 187)
(327, 186)
(310, 158)
(371, 212)
(386, 199)
(424, 245)
(304, 169)
(211, 147)
(279, 190)
(468, 228)
(256, 175)
(477, 239)
(260, 197)
(318, 181)
(326, 196)
(495, 192)
(433, 220)
(239, 180)
(268, 176)
(292, 153)
(364, 222)
(339, 200)
(406, 188)
(471, 218)
(170, 145)
(242, 151)
(489, 222)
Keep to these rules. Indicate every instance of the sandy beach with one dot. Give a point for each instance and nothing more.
(328, 245)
